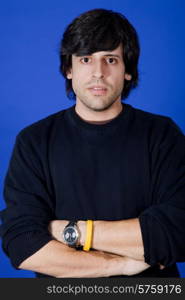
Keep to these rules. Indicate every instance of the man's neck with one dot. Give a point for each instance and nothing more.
(102, 117)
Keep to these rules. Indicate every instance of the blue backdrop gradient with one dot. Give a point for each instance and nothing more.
(32, 88)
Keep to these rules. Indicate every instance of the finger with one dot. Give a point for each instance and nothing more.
(161, 267)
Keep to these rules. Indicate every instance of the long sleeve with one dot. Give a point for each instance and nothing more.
(28, 212)
(163, 223)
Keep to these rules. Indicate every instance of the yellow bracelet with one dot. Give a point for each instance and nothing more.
(89, 233)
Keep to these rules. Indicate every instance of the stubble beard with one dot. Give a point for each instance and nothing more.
(99, 103)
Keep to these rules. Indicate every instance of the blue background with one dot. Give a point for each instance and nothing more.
(32, 88)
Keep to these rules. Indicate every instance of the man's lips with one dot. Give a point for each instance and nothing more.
(98, 89)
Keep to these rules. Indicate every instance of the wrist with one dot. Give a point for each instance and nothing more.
(82, 229)
(56, 227)
(98, 229)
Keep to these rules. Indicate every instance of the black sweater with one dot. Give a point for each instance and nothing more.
(63, 167)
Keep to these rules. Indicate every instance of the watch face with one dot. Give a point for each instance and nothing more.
(70, 235)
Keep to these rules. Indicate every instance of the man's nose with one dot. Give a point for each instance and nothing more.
(98, 70)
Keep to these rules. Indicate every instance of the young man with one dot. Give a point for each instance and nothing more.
(97, 190)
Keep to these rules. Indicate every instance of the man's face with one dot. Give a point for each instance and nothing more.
(98, 79)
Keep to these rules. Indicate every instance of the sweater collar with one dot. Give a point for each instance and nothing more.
(78, 121)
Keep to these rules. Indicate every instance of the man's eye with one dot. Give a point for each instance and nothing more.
(111, 60)
(85, 60)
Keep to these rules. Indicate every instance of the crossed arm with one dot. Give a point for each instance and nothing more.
(117, 245)
(118, 237)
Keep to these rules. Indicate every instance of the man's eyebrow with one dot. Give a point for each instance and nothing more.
(111, 54)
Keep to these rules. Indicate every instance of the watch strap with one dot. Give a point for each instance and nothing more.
(72, 223)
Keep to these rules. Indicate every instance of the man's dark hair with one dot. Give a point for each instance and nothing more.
(100, 30)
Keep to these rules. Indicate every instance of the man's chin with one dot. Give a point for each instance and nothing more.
(101, 107)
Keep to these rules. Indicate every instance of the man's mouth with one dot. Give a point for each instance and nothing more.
(98, 90)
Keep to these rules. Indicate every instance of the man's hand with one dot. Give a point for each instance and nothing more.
(133, 266)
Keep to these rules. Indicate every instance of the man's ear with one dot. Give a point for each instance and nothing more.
(128, 76)
(69, 74)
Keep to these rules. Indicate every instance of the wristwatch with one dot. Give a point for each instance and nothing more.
(71, 234)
